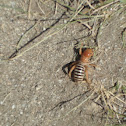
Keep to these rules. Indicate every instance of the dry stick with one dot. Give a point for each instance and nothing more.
(93, 30)
(106, 93)
(18, 45)
(44, 2)
(56, 6)
(104, 6)
(6, 97)
(85, 23)
(116, 97)
(40, 8)
(29, 9)
(77, 11)
(116, 103)
(104, 99)
(114, 108)
(97, 98)
(107, 118)
(35, 44)
(88, 26)
(109, 104)
(12, 123)
(89, 4)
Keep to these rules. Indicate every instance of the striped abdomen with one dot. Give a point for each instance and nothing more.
(79, 72)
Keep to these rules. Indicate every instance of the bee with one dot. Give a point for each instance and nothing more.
(80, 68)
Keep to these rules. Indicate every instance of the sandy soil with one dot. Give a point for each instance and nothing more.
(34, 90)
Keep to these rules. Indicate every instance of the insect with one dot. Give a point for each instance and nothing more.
(79, 68)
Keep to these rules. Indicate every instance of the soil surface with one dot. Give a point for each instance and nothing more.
(34, 89)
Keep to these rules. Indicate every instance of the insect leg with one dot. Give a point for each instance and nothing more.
(87, 79)
(73, 67)
(92, 65)
(74, 63)
(80, 50)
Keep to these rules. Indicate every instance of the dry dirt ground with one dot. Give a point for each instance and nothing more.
(34, 90)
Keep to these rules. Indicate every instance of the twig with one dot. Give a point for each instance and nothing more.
(116, 97)
(40, 8)
(36, 44)
(6, 97)
(89, 4)
(56, 6)
(88, 26)
(29, 9)
(113, 2)
(104, 99)
(114, 108)
(19, 43)
(77, 12)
